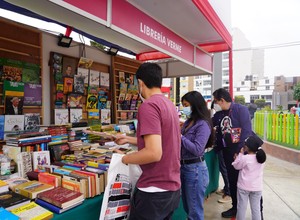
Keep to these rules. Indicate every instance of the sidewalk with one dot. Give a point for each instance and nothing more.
(281, 193)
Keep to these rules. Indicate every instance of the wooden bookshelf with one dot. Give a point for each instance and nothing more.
(126, 65)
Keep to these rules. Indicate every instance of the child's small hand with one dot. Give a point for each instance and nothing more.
(242, 150)
(234, 156)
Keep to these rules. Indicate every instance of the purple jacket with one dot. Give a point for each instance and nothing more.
(194, 140)
(240, 118)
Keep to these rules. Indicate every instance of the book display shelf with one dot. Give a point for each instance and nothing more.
(125, 87)
(80, 90)
(20, 76)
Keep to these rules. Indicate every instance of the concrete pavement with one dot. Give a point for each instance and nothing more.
(281, 193)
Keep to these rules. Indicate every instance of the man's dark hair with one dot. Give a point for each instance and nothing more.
(150, 74)
(222, 94)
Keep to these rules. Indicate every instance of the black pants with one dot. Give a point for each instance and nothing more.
(228, 154)
(153, 206)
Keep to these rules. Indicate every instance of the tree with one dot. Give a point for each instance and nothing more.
(239, 99)
(297, 93)
(260, 103)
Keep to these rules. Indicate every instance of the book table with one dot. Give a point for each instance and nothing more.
(90, 209)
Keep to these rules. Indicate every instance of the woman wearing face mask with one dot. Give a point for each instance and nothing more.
(196, 135)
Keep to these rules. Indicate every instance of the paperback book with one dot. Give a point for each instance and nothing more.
(32, 94)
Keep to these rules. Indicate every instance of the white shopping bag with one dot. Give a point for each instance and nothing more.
(121, 180)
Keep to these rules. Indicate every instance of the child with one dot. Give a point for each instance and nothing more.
(250, 180)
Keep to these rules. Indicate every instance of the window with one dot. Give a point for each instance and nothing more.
(225, 72)
(225, 55)
(243, 83)
(267, 81)
(267, 87)
(238, 89)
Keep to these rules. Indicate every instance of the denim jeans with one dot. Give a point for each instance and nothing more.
(194, 181)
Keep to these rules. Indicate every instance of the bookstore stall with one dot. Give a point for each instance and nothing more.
(62, 106)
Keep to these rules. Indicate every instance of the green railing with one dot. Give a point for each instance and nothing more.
(279, 128)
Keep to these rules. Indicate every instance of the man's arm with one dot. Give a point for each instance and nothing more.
(152, 152)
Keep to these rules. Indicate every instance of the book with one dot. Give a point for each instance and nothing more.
(68, 84)
(121, 77)
(24, 164)
(32, 211)
(75, 100)
(13, 124)
(93, 114)
(105, 116)
(75, 115)
(12, 73)
(61, 197)
(94, 79)
(14, 105)
(54, 208)
(84, 73)
(50, 179)
(79, 84)
(11, 88)
(3, 185)
(69, 66)
(71, 184)
(40, 158)
(32, 188)
(31, 73)
(10, 200)
(6, 215)
(13, 182)
(57, 151)
(85, 62)
(32, 94)
(2, 127)
(61, 116)
(32, 121)
(83, 182)
(92, 101)
(102, 99)
(104, 80)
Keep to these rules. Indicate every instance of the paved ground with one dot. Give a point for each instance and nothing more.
(281, 193)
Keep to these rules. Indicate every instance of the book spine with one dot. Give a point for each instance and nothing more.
(49, 206)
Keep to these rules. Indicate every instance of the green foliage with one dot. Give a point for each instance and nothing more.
(97, 45)
(267, 108)
(260, 103)
(297, 92)
(279, 108)
(239, 99)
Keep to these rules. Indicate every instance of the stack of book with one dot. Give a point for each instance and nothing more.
(31, 189)
(11, 200)
(3, 186)
(59, 199)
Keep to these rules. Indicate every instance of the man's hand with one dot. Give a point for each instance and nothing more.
(121, 139)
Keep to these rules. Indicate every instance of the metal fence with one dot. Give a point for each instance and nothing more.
(278, 127)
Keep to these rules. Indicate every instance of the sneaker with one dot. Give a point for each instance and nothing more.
(220, 192)
(225, 199)
(230, 213)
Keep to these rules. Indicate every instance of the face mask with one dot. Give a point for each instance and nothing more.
(187, 111)
(217, 107)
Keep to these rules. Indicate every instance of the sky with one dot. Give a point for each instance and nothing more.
(271, 22)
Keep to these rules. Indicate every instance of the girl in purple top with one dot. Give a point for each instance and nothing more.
(250, 180)
(196, 135)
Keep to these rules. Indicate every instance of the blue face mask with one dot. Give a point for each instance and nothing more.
(187, 111)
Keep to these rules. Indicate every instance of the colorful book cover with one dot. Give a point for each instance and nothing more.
(24, 164)
(68, 84)
(32, 94)
(79, 84)
(59, 96)
(102, 99)
(40, 158)
(93, 114)
(14, 105)
(2, 127)
(61, 197)
(69, 66)
(121, 77)
(75, 100)
(85, 62)
(32, 121)
(75, 115)
(94, 79)
(104, 79)
(84, 73)
(108, 104)
(31, 73)
(7, 215)
(61, 116)
(13, 88)
(13, 124)
(11, 73)
(32, 211)
(60, 87)
(123, 87)
(105, 116)
(92, 101)
(10, 200)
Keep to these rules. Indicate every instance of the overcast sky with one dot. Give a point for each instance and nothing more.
(271, 22)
